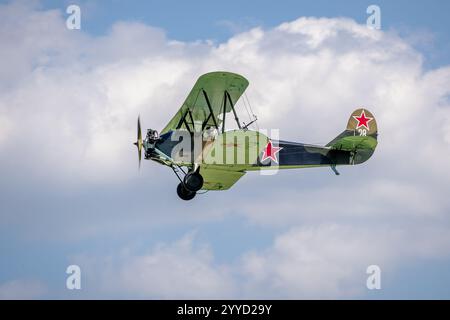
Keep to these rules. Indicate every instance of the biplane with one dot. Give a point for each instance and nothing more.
(205, 155)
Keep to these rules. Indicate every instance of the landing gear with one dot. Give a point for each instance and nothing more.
(193, 181)
(190, 184)
(184, 193)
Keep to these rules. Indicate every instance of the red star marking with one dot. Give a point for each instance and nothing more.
(271, 152)
(363, 120)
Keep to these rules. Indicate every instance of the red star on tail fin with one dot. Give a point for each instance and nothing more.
(363, 121)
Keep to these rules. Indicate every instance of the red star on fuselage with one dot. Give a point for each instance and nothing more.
(363, 121)
(271, 152)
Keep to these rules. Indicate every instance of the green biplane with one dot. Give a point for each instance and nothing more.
(206, 156)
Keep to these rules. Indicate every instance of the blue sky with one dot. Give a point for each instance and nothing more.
(217, 20)
(84, 203)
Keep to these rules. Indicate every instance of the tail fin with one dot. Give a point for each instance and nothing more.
(360, 136)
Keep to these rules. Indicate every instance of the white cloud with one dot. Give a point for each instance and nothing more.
(325, 261)
(178, 270)
(330, 261)
(322, 262)
(68, 109)
(313, 72)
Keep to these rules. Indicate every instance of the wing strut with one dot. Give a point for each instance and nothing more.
(224, 110)
(226, 97)
(232, 108)
(183, 120)
(211, 114)
(205, 122)
(192, 121)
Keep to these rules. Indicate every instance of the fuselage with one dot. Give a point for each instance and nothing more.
(244, 150)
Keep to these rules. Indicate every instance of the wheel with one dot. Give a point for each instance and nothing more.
(183, 193)
(193, 181)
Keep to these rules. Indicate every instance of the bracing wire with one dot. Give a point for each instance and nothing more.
(251, 111)
(246, 108)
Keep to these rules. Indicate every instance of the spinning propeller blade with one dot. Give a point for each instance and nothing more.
(139, 142)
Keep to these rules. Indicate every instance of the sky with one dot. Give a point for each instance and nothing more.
(71, 193)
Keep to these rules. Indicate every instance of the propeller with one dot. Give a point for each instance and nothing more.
(139, 142)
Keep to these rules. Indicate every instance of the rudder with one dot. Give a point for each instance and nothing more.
(363, 123)
(359, 137)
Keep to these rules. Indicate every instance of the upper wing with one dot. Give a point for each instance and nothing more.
(206, 101)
